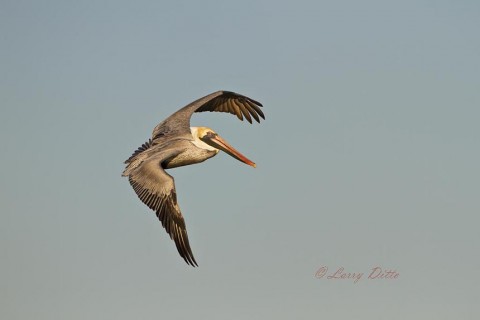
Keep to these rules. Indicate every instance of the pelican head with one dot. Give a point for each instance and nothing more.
(206, 138)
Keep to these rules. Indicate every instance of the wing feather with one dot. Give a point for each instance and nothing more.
(220, 101)
(156, 189)
(244, 109)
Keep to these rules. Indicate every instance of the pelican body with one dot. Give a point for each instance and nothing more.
(174, 144)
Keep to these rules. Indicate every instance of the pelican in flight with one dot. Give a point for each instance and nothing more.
(173, 144)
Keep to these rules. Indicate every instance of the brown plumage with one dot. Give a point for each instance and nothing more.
(174, 143)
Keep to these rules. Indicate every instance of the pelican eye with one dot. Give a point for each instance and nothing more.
(210, 135)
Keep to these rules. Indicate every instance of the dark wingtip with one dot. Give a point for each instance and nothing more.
(190, 260)
(256, 102)
(194, 264)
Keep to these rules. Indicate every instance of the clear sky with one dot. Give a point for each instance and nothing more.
(369, 157)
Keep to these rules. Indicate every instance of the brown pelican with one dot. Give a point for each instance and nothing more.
(173, 144)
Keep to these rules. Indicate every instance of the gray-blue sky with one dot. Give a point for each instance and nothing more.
(369, 156)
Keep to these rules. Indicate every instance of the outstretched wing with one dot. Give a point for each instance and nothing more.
(156, 189)
(220, 101)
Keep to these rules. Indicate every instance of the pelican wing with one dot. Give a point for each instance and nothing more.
(220, 101)
(156, 189)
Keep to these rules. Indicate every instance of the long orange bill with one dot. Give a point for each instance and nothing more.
(217, 142)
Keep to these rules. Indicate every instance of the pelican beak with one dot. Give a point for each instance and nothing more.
(216, 141)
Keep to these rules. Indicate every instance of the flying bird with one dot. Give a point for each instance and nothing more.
(173, 144)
